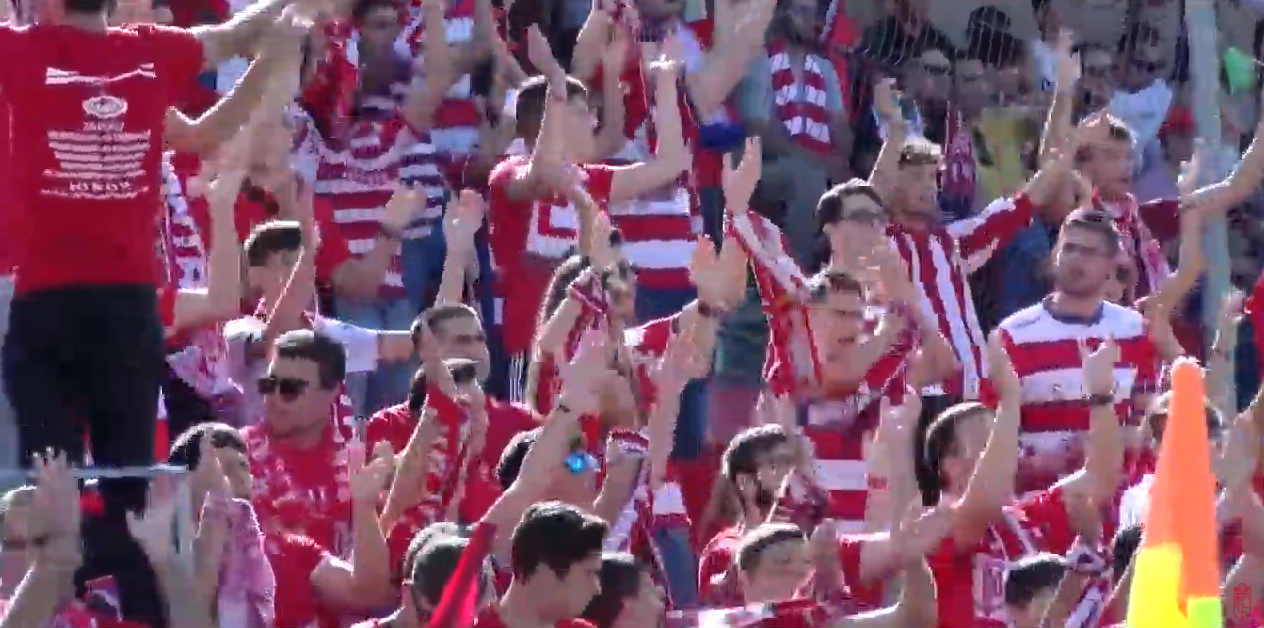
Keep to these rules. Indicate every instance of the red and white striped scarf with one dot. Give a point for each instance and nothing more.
(793, 366)
(1140, 243)
(800, 105)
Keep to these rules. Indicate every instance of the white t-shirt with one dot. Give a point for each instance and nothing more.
(360, 344)
(1144, 112)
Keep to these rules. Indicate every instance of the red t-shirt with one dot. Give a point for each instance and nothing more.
(504, 421)
(717, 587)
(92, 107)
(970, 582)
(293, 558)
(8, 213)
(515, 228)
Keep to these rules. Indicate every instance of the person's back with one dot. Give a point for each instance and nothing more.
(92, 106)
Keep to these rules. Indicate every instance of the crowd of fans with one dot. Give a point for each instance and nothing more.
(612, 313)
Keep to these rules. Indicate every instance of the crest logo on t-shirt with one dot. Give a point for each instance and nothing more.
(105, 107)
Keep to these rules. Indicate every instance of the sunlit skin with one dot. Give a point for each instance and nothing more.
(781, 569)
(957, 465)
(915, 202)
(1083, 263)
(303, 419)
(645, 609)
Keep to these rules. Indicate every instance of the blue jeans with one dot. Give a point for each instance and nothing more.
(679, 563)
(691, 424)
(371, 391)
(422, 259)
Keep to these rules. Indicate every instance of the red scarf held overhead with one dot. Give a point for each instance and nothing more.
(801, 105)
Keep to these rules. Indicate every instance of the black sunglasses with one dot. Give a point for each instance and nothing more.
(289, 387)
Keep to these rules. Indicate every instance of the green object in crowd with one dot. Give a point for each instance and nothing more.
(1239, 68)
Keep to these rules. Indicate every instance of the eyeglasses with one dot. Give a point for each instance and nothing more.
(579, 462)
(1149, 67)
(289, 387)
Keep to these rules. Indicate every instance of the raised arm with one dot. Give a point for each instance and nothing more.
(992, 483)
(365, 582)
(918, 605)
(545, 166)
(1104, 459)
(153, 532)
(580, 380)
(287, 312)
(1221, 196)
(592, 42)
(671, 157)
(463, 218)
(239, 36)
(610, 137)
(1171, 293)
(270, 82)
(434, 70)
(362, 277)
(1057, 129)
(885, 174)
(725, 64)
(50, 581)
(221, 299)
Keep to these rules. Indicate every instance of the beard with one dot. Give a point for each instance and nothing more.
(1077, 283)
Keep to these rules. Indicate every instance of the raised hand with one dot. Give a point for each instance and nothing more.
(209, 472)
(603, 254)
(463, 218)
(56, 502)
(369, 482)
(709, 274)
(1001, 370)
(615, 56)
(1099, 366)
(739, 182)
(671, 58)
(1066, 64)
(540, 54)
(679, 364)
(584, 375)
(884, 101)
(823, 544)
(753, 24)
(152, 530)
(401, 207)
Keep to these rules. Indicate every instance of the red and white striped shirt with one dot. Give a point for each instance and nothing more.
(359, 180)
(455, 130)
(940, 263)
(1055, 416)
(841, 429)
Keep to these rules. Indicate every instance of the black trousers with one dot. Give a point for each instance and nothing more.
(89, 359)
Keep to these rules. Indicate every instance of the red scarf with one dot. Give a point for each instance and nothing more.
(1137, 240)
(801, 105)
